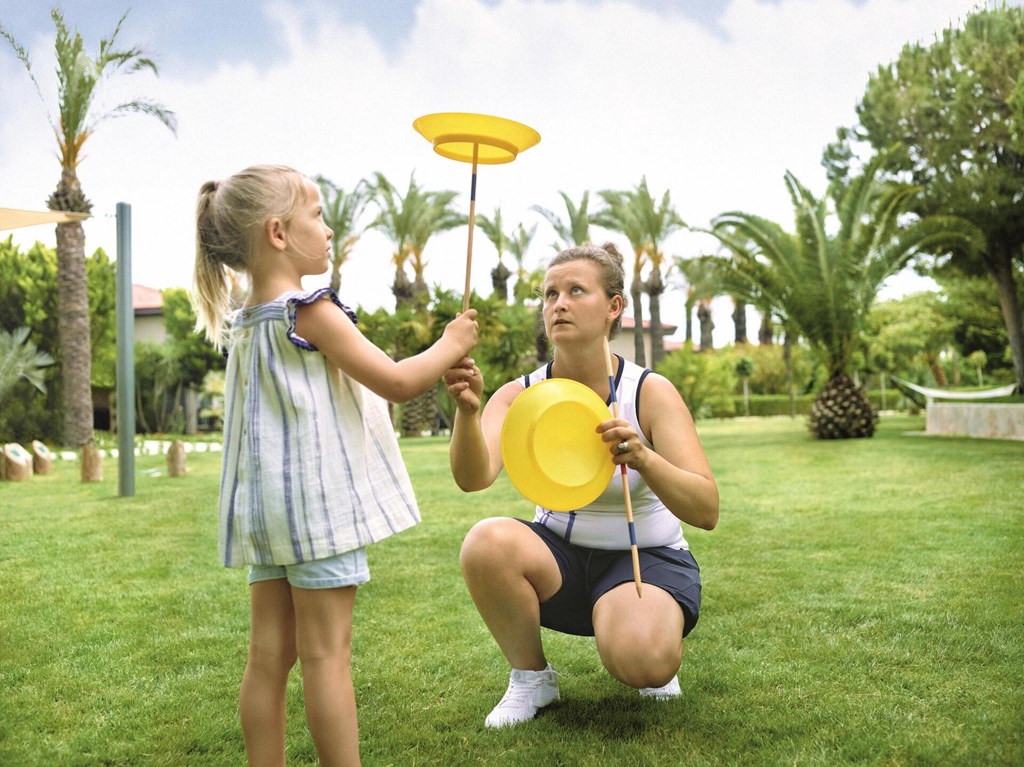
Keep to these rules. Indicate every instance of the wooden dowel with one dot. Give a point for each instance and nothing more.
(472, 222)
(625, 479)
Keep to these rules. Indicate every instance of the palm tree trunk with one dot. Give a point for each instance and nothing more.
(73, 335)
(707, 341)
(690, 303)
(739, 319)
(655, 287)
(765, 333)
(639, 352)
(787, 355)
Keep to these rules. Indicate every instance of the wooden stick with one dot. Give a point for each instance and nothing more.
(472, 221)
(625, 478)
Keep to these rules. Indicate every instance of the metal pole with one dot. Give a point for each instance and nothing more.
(125, 354)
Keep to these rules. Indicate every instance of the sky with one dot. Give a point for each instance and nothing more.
(710, 100)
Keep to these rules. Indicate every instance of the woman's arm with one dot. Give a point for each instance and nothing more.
(329, 329)
(475, 448)
(677, 469)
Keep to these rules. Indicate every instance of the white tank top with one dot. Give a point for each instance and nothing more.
(602, 524)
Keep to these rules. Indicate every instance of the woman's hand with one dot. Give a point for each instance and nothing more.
(623, 443)
(465, 385)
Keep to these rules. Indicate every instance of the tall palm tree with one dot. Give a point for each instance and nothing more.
(662, 220)
(621, 215)
(341, 211)
(527, 283)
(700, 288)
(396, 218)
(409, 220)
(822, 279)
(78, 78)
(435, 215)
(575, 228)
(494, 231)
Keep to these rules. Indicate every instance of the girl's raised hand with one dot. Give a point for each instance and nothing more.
(462, 331)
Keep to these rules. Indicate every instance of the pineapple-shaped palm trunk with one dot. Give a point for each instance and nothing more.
(842, 411)
(73, 332)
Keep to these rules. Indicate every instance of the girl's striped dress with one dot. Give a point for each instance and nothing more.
(311, 461)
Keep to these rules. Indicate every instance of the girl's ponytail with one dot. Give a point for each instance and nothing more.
(211, 295)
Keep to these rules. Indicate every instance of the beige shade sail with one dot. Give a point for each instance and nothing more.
(13, 218)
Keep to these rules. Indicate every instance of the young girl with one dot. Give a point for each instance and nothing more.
(572, 571)
(312, 473)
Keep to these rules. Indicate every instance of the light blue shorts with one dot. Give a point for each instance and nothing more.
(347, 569)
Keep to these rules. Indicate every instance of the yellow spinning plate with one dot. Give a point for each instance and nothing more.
(550, 447)
(478, 139)
(469, 137)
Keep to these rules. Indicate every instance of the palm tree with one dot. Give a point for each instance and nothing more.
(341, 211)
(575, 229)
(661, 221)
(410, 220)
(621, 215)
(527, 282)
(492, 229)
(700, 289)
(78, 78)
(822, 283)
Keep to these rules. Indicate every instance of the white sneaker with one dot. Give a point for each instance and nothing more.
(527, 693)
(670, 690)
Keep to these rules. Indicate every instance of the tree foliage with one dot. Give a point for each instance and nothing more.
(823, 279)
(950, 117)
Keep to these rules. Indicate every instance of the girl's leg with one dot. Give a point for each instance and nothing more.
(509, 571)
(271, 656)
(323, 631)
(639, 640)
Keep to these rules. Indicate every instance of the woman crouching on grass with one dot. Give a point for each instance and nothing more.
(572, 571)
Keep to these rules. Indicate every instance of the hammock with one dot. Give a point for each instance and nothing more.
(930, 394)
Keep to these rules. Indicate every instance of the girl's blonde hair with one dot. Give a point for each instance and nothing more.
(609, 262)
(230, 216)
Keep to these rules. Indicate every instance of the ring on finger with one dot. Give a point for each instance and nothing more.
(622, 447)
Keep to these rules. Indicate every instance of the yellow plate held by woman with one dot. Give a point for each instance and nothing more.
(550, 447)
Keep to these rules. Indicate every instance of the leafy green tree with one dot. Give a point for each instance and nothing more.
(978, 323)
(951, 117)
(342, 211)
(914, 331)
(978, 360)
(78, 79)
(824, 278)
(705, 381)
(28, 297)
(168, 374)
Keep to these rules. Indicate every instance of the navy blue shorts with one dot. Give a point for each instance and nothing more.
(587, 574)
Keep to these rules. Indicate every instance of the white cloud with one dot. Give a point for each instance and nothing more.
(616, 93)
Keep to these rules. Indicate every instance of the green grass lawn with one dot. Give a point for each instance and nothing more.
(863, 604)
